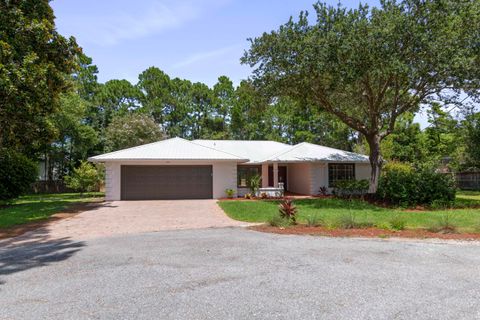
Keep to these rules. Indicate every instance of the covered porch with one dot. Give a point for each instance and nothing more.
(293, 178)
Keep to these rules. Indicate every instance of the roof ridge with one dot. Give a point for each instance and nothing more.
(319, 145)
(136, 147)
(282, 152)
(201, 145)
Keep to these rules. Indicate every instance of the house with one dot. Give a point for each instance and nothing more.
(180, 169)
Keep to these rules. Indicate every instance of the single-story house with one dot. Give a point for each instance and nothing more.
(181, 169)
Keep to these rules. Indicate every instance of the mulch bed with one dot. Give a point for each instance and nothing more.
(366, 233)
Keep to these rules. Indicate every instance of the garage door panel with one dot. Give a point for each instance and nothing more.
(166, 182)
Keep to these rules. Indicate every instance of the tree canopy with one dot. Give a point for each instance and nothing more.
(368, 66)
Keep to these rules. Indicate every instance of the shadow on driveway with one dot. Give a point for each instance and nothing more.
(34, 250)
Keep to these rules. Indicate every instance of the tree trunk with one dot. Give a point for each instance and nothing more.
(376, 161)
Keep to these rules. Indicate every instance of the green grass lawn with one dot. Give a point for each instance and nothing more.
(40, 206)
(331, 210)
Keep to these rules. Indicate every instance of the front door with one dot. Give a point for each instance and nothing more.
(282, 176)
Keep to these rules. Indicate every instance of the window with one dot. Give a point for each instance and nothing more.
(339, 172)
(244, 174)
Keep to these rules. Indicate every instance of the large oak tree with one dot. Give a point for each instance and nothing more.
(35, 64)
(368, 66)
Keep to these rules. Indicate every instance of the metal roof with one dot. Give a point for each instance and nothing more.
(308, 152)
(254, 150)
(231, 150)
(170, 149)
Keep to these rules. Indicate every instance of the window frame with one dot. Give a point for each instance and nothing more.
(252, 170)
(348, 175)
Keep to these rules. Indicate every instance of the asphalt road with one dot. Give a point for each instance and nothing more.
(234, 273)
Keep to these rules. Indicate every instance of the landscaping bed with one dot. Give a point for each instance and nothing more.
(366, 233)
(341, 217)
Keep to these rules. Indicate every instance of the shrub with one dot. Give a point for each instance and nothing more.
(248, 196)
(404, 185)
(323, 191)
(254, 184)
(83, 178)
(397, 223)
(346, 221)
(17, 173)
(444, 225)
(288, 210)
(229, 193)
(314, 220)
(263, 195)
(348, 188)
(278, 221)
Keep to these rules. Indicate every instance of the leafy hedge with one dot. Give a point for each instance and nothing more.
(404, 185)
(17, 173)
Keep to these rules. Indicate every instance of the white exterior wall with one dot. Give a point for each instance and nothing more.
(224, 176)
(299, 178)
(112, 181)
(319, 177)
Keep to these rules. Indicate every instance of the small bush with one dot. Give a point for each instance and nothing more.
(323, 191)
(263, 195)
(441, 204)
(254, 184)
(348, 188)
(248, 196)
(278, 221)
(314, 220)
(397, 223)
(83, 178)
(404, 185)
(288, 210)
(444, 225)
(229, 193)
(346, 221)
(17, 173)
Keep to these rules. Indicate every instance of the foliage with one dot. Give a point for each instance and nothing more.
(408, 186)
(313, 220)
(397, 223)
(230, 193)
(84, 178)
(35, 61)
(323, 190)
(368, 66)
(17, 173)
(263, 195)
(278, 221)
(131, 130)
(288, 210)
(472, 140)
(349, 221)
(254, 183)
(348, 188)
(444, 224)
(248, 196)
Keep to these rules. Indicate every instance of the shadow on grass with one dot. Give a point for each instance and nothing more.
(34, 250)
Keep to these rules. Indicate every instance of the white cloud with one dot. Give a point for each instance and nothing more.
(201, 56)
(139, 19)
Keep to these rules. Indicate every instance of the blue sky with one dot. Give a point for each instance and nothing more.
(198, 40)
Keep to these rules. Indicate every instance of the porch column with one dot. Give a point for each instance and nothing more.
(275, 175)
(264, 175)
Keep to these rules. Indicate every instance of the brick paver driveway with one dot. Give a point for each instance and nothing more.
(129, 217)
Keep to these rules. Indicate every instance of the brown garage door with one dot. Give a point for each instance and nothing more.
(166, 182)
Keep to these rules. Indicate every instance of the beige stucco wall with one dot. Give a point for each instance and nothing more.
(224, 176)
(362, 171)
(299, 178)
